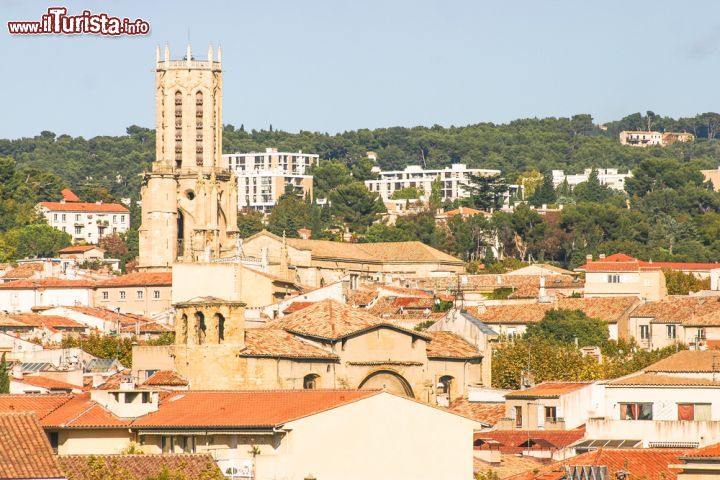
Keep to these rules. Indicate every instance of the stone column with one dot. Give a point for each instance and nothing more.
(211, 321)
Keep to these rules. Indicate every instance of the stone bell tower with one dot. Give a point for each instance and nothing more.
(189, 198)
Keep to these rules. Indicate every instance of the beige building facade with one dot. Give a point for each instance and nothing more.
(189, 198)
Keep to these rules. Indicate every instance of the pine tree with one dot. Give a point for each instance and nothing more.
(545, 194)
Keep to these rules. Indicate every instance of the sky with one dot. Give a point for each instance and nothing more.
(336, 65)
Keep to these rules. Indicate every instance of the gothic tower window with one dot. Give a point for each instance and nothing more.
(178, 129)
(198, 128)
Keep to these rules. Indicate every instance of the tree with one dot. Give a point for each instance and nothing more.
(487, 192)
(565, 326)
(4, 375)
(114, 246)
(327, 176)
(39, 240)
(249, 222)
(362, 170)
(679, 283)
(407, 193)
(289, 214)
(592, 190)
(545, 194)
(356, 206)
(544, 360)
(104, 346)
(435, 194)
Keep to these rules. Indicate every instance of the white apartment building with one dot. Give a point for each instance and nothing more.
(607, 176)
(454, 180)
(86, 221)
(263, 177)
(645, 139)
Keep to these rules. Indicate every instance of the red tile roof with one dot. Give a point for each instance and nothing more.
(145, 327)
(47, 283)
(140, 467)
(41, 405)
(48, 383)
(688, 361)
(488, 413)
(85, 207)
(109, 315)
(277, 343)
(53, 322)
(332, 320)
(641, 463)
(296, 306)
(246, 409)
(511, 440)
(139, 279)
(81, 412)
(80, 249)
(450, 345)
(24, 270)
(654, 380)
(68, 195)
(166, 378)
(690, 311)
(548, 390)
(610, 309)
(25, 451)
(711, 451)
(622, 262)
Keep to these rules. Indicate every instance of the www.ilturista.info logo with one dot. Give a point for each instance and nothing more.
(57, 22)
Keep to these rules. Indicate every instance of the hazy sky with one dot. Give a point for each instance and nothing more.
(333, 65)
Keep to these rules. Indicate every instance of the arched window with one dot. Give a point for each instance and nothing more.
(183, 327)
(198, 128)
(201, 327)
(178, 129)
(310, 381)
(221, 327)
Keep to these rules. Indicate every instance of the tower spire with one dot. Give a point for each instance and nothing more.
(210, 53)
(188, 56)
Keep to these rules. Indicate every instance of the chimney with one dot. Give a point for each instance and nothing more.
(601, 256)
(588, 258)
(542, 287)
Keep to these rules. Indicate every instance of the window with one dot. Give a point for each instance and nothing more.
(693, 411)
(114, 218)
(671, 331)
(156, 294)
(613, 278)
(77, 217)
(310, 381)
(130, 397)
(63, 217)
(167, 444)
(54, 440)
(518, 417)
(78, 230)
(122, 294)
(139, 294)
(64, 229)
(644, 332)
(701, 334)
(55, 216)
(146, 397)
(105, 295)
(551, 414)
(636, 411)
(122, 218)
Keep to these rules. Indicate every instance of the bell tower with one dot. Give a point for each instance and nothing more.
(189, 198)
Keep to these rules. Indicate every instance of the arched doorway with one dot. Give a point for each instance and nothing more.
(443, 395)
(310, 381)
(387, 380)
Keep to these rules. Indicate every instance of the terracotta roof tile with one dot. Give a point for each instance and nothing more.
(704, 452)
(331, 320)
(527, 286)
(139, 279)
(450, 345)
(511, 441)
(85, 207)
(548, 390)
(488, 413)
(653, 380)
(510, 464)
(108, 315)
(163, 378)
(24, 270)
(139, 467)
(49, 383)
(645, 463)
(622, 262)
(296, 306)
(245, 408)
(688, 361)
(41, 405)
(55, 322)
(25, 451)
(275, 342)
(609, 309)
(687, 310)
(47, 283)
(80, 249)
(68, 195)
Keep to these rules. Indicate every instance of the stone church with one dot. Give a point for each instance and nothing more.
(189, 198)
